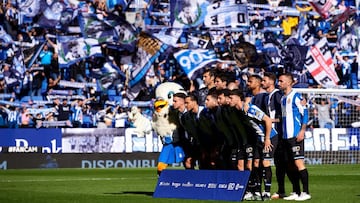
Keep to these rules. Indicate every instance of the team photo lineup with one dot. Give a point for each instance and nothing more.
(215, 81)
(221, 127)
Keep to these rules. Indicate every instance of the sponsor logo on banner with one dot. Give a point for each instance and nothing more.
(320, 64)
(23, 149)
(202, 184)
(119, 163)
(335, 139)
(79, 160)
(31, 140)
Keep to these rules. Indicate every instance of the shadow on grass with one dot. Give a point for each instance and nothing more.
(131, 192)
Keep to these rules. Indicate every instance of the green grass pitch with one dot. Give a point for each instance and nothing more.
(328, 183)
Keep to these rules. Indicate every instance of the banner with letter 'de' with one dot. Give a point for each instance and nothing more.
(228, 185)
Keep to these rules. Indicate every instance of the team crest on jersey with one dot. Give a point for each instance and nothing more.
(296, 150)
(249, 149)
(288, 100)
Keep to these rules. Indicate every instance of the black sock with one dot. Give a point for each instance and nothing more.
(267, 178)
(257, 180)
(304, 176)
(294, 177)
(280, 177)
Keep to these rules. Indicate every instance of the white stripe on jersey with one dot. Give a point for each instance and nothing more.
(293, 113)
(256, 119)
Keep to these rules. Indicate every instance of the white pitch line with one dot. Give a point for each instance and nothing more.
(71, 179)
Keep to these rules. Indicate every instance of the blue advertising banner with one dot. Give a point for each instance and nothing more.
(202, 184)
(48, 139)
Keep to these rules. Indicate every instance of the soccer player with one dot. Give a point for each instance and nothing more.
(257, 96)
(211, 138)
(209, 81)
(221, 80)
(190, 121)
(183, 137)
(274, 111)
(295, 118)
(227, 139)
(264, 132)
(240, 132)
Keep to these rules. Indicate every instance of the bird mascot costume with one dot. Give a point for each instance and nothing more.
(165, 123)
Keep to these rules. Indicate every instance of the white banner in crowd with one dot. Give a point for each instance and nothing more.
(72, 50)
(320, 64)
(223, 15)
(193, 60)
(114, 140)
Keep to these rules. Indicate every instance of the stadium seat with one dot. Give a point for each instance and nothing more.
(87, 122)
(25, 99)
(37, 98)
(112, 94)
(34, 98)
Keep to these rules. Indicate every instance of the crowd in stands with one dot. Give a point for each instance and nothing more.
(45, 95)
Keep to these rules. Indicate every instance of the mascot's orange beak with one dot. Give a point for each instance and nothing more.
(158, 105)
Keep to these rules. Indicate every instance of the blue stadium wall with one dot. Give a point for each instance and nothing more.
(124, 148)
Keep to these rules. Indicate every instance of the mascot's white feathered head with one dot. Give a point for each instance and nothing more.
(166, 91)
(161, 122)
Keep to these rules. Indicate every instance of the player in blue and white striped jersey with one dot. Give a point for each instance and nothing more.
(295, 118)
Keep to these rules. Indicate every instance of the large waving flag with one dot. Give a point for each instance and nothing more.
(72, 49)
(323, 7)
(320, 64)
(342, 17)
(29, 8)
(92, 27)
(187, 13)
(193, 60)
(149, 49)
(53, 13)
(169, 36)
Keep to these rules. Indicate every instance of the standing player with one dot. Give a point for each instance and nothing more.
(264, 132)
(182, 136)
(274, 112)
(295, 118)
(210, 137)
(190, 121)
(257, 96)
(209, 81)
(240, 137)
